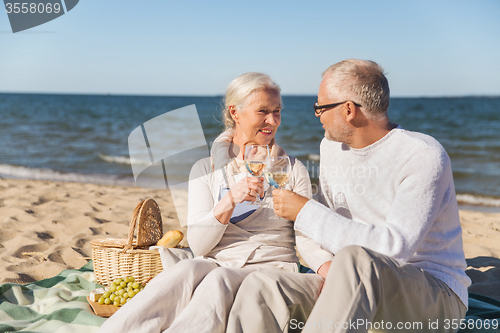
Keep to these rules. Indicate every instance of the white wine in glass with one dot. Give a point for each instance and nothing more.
(278, 179)
(255, 167)
(278, 171)
(255, 161)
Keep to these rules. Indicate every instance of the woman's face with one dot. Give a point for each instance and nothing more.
(259, 119)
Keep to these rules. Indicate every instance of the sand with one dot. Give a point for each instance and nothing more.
(46, 227)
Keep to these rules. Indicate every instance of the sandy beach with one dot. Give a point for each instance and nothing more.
(47, 227)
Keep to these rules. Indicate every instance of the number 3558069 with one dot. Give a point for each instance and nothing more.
(26, 7)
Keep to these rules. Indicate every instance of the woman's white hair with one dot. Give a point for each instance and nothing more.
(361, 81)
(241, 88)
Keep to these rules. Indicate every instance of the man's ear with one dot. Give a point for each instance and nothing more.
(354, 116)
(350, 111)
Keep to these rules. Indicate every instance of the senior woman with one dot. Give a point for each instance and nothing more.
(196, 295)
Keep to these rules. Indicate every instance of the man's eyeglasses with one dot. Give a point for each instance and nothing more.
(319, 109)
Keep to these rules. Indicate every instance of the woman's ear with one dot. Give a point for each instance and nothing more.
(234, 113)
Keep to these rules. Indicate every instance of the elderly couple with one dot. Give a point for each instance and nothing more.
(386, 245)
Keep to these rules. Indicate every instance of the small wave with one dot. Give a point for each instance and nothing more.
(14, 171)
(123, 160)
(480, 200)
(313, 157)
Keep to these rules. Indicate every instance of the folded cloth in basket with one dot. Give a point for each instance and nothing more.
(171, 256)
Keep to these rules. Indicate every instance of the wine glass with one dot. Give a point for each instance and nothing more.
(255, 161)
(277, 173)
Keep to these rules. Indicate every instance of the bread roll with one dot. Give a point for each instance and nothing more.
(171, 239)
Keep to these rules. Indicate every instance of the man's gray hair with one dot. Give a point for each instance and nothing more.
(361, 81)
(241, 88)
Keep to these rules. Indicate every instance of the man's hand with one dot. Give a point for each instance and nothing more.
(288, 204)
(323, 269)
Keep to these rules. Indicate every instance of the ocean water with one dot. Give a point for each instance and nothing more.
(84, 138)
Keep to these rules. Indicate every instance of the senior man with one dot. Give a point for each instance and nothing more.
(387, 212)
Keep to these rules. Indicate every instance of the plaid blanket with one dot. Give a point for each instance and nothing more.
(57, 304)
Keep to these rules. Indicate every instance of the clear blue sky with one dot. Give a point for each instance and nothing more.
(428, 48)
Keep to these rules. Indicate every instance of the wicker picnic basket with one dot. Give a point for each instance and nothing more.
(117, 258)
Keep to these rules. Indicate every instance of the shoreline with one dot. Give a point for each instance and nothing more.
(47, 226)
(466, 201)
(478, 208)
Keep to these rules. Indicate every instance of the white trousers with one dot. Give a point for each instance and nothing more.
(194, 295)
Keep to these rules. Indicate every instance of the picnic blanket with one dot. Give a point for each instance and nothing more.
(483, 315)
(56, 305)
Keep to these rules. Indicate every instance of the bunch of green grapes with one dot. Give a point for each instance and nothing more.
(121, 291)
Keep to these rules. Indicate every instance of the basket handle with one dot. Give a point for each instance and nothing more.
(131, 228)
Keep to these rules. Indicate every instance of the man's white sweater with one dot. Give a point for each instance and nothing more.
(396, 197)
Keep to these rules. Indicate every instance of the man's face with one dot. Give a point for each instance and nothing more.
(336, 128)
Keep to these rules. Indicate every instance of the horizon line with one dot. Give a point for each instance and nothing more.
(219, 95)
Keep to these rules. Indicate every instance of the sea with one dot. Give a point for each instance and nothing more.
(85, 138)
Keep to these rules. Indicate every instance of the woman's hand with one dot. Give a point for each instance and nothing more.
(247, 189)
